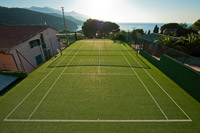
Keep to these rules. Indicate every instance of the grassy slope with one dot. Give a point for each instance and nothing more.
(90, 101)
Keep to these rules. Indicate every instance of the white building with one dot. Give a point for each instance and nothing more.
(24, 48)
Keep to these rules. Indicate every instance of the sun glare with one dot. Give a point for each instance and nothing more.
(111, 10)
(101, 9)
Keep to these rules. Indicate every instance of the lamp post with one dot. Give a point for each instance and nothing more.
(64, 23)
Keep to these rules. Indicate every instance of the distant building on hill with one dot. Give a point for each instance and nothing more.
(24, 48)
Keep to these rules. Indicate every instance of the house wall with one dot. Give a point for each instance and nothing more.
(7, 63)
(27, 59)
(51, 41)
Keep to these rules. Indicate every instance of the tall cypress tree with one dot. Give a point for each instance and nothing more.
(75, 36)
(156, 29)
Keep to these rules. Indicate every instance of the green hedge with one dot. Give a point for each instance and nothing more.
(16, 74)
(184, 76)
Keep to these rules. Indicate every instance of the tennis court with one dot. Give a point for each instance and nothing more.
(99, 81)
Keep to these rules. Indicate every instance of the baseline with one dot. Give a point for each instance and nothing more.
(98, 121)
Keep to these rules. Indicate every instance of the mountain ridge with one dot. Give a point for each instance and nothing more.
(52, 10)
(78, 22)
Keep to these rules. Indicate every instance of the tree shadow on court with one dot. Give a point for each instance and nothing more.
(89, 55)
(123, 43)
(148, 67)
(96, 65)
(54, 61)
(119, 42)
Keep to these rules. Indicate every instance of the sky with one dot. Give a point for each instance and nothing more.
(163, 11)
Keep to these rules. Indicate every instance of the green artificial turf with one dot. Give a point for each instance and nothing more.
(98, 80)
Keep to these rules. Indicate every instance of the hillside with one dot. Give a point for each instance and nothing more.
(76, 21)
(15, 16)
(73, 14)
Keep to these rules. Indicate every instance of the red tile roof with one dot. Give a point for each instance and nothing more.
(13, 35)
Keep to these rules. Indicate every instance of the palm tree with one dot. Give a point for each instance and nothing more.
(168, 41)
(191, 42)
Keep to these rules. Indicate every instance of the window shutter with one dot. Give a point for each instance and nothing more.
(38, 42)
(31, 44)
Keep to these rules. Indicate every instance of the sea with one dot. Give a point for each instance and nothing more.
(145, 26)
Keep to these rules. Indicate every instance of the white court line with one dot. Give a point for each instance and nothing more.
(115, 74)
(104, 44)
(54, 83)
(144, 85)
(98, 121)
(99, 62)
(36, 86)
(92, 45)
(161, 88)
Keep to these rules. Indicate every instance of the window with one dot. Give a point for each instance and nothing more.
(44, 46)
(38, 59)
(34, 43)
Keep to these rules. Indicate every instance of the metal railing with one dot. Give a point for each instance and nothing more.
(157, 50)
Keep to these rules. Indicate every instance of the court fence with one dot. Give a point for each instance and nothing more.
(184, 76)
(157, 50)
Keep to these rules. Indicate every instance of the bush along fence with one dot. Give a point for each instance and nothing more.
(16, 74)
(184, 76)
